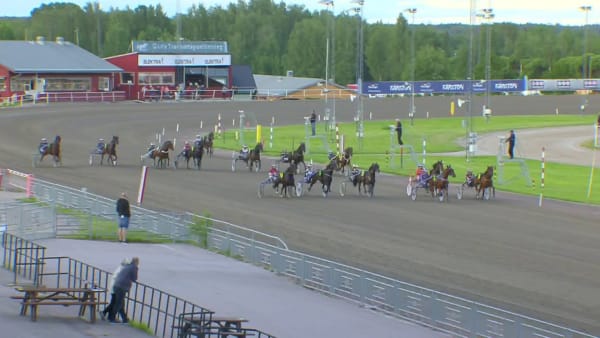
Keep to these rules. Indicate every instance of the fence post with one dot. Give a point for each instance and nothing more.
(542, 177)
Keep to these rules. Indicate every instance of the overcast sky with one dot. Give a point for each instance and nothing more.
(565, 12)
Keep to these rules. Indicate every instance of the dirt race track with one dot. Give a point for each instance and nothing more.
(509, 252)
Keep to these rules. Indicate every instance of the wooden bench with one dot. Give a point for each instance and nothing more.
(82, 297)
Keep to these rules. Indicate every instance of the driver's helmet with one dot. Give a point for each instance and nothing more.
(244, 147)
(187, 142)
(198, 136)
(469, 172)
(100, 140)
(354, 166)
(152, 144)
(44, 140)
(273, 165)
(420, 165)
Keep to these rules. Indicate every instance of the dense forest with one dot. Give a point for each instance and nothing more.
(275, 37)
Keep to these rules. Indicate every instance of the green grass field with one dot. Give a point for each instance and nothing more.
(562, 181)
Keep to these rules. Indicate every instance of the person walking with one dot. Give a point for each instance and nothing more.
(399, 131)
(121, 286)
(313, 122)
(124, 214)
(511, 144)
(111, 305)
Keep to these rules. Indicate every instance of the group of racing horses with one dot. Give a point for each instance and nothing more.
(437, 180)
(365, 181)
(160, 155)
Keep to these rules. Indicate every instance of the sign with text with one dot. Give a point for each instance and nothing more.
(442, 87)
(146, 60)
(181, 47)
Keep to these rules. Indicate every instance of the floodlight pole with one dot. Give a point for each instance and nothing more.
(411, 114)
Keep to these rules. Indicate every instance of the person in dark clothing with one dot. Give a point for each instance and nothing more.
(108, 308)
(313, 122)
(124, 215)
(121, 287)
(511, 144)
(399, 131)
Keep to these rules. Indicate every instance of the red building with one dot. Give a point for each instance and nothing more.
(54, 71)
(187, 69)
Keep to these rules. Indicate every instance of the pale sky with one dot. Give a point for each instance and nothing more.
(565, 12)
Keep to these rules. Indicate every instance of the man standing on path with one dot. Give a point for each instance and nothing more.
(399, 131)
(121, 286)
(313, 122)
(511, 144)
(124, 215)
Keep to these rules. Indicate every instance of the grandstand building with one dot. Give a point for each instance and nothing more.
(192, 69)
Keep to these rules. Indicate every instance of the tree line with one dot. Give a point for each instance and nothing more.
(275, 37)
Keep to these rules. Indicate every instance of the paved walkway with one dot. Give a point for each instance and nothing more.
(272, 304)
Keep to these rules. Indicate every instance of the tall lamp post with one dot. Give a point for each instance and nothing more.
(330, 65)
(586, 10)
(469, 129)
(411, 114)
(488, 15)
(359, 118)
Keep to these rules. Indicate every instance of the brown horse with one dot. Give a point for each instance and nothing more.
(437, 168)
(343, 160)
(208, 143)
(368, 180)
(254, 157)
(325, 176)
(296, 157)
(483, 182)
(162, 154)
(111, 151)
(54, 150)
(287, 181)
(440, 183)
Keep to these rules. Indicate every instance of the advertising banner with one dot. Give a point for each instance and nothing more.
(145, 60)
(442, 87)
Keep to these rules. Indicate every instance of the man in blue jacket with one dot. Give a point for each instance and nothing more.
(121, 286)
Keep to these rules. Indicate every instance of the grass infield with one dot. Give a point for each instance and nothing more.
(442, 135)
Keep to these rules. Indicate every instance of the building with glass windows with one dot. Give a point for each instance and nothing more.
(32, 68)
(179, 69)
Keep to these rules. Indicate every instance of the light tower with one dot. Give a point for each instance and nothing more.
(411, 114)
(359, 118)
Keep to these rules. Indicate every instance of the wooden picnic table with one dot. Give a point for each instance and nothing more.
(228, 326)
(34, 296)
(213, 326)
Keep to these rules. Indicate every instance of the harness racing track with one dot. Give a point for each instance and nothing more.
(508, 252)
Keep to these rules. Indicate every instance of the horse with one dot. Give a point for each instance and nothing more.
(208, 143)
(111, 151)
(439, 185)
(186, 155)
(197, 153)
(437, 169)
(325, 176)
(485, 181)
(287, 181)
(162, 154)
(254, 157)
(342, 161)
(297, 157)
(368, 179)
(53, 149)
